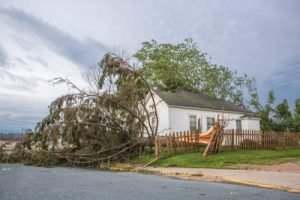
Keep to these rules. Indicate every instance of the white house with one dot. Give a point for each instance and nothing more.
(183, 110)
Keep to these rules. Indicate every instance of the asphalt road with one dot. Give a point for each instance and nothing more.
(19, 182)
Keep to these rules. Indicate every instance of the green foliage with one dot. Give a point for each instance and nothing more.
(184, 66)
(266, 113)
(297, 106)
(283, 117)
(280, 117)
(283, 110)
(169, 66)
(296, 123)
(296, 117)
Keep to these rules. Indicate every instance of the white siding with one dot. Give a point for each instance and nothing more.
(162, 112)
(251, 123)
(179, 118)
(174, 119)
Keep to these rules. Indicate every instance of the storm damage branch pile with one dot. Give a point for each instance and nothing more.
(89, 128)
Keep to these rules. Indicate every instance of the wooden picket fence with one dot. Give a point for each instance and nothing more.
(178, 142)
(181, 142)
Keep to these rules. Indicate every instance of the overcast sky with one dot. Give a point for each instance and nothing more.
(41, 40)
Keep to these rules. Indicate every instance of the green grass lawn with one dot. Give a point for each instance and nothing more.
(227, 159)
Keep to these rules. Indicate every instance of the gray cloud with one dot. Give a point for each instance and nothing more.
(18, 83)
(21, 61)
(84, 53)
(286, 82)
(17, 123)
(39, 60)
(3, 57)
(18, 112)
(287, 76)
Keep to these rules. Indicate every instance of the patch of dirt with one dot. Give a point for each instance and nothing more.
(293, 167)
(283, 167)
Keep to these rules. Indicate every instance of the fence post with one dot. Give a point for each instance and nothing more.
(181, 141)
(232, 139)
(157, 147)
(178, 144)
(197, 140)
(189, 140)
(167, 144)
(175, 143)
(171, 143)
(184, 140)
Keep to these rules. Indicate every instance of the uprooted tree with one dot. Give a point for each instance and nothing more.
(89, 128)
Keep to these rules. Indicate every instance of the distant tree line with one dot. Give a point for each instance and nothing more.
(10, 136)
(279, 117)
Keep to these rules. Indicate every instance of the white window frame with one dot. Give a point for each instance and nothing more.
(210, 121)
(193, 119)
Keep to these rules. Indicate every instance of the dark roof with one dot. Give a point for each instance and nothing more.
(198, 100)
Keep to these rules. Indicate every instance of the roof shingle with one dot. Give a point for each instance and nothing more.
(199, 100)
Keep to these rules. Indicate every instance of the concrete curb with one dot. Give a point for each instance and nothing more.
(204, 177)
(261, 185)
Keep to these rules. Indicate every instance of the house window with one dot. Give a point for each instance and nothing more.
(210, 122)
(199, 125)
(193, 122)
(238, 125)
